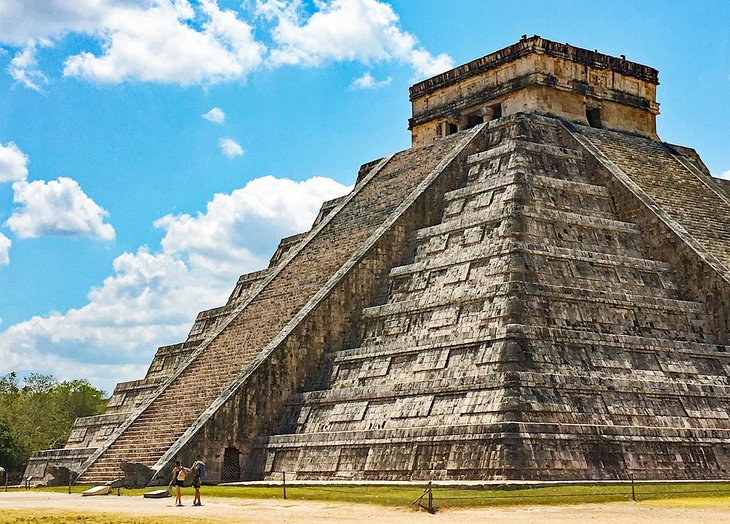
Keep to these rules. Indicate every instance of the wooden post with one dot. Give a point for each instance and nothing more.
(430, 498)
(70, 481)
(633, 489)
(283, 482)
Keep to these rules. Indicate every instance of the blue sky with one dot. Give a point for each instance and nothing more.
(124, 210)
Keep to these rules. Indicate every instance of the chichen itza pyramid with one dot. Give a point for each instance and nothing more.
(538, 289)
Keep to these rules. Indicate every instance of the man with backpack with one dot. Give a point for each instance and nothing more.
(197, 470)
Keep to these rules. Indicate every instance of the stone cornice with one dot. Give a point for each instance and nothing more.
(525, 47)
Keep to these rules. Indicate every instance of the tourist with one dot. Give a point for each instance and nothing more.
(178, 477)
(197, 470)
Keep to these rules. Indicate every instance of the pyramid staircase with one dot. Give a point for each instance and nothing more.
(244, 332)
(528, 327)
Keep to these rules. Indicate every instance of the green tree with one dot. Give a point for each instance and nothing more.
(12, 454)
(38, 413)
(74, 399)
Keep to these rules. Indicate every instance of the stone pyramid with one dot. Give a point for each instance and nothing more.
(538, 289)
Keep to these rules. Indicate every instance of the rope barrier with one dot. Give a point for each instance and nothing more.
(516, 493)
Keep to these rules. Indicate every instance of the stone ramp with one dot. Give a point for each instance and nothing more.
(528, 328)
(168, 417)
(668, 179)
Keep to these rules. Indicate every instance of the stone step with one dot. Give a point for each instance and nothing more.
(169, 349)
(144, 442)
(574, 275)
(634, 342)
(155, 432)
(399, 347)
(504, 246)
(492, 216)
(511, 288)
(659, 173)
(510, 146)
(485, 432)
(220, 311)
(675, 348)
(593, 382)
(140, 456)
(111, 462)
(105, 470)
(515, 176)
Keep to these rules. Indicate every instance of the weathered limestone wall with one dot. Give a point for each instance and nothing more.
(684, 219)
(42, 461)
(168, 358)
(537, 75)
(528, 336)
(572, 106)
(89, 433)
(245, 285)
(248, 414)
(217, 364)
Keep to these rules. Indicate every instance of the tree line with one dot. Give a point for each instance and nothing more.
(37, 413)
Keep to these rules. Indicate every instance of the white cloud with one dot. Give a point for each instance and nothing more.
(289, 206)
(24, 69)
(13, 163)
(159, 43)
(4, 251)
(345, 30)
(58, 207)
(725, 175)
(28, 20)
(152, 297)
(426, 65)
(215, 115)
(230, 147)
(188, 43)
(367, 81)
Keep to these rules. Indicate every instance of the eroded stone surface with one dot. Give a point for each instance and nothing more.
(528, 337)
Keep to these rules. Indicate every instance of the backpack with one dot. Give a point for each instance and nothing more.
(198, 468)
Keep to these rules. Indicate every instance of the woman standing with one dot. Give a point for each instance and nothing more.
(178, 477)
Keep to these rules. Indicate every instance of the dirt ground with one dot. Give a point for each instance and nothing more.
(281, 511)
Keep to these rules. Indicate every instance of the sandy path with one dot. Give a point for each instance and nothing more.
(281, 511)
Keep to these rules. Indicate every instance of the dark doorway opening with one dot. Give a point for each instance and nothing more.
(474, 120)
(451, 129)
(496, 111)
(593, 115)
(231, 465)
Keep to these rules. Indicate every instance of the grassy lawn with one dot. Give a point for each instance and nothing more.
(714, 496)
(402, 496)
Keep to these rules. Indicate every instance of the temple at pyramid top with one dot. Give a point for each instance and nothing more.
(537, 75)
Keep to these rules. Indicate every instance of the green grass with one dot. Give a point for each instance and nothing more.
(403, 496)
